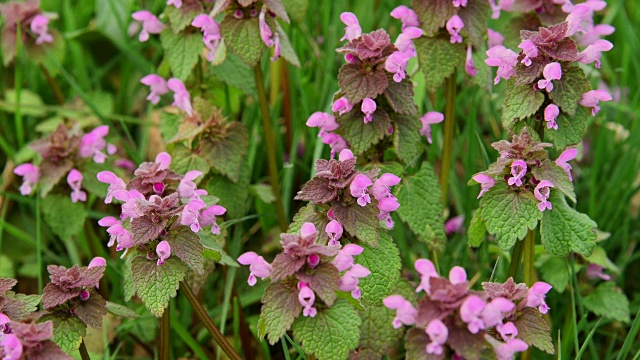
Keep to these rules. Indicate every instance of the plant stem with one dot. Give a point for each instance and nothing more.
(39, 242)
(270, 140)
(528, 257)
(54, 85)
(84, 354)
(165, 329)
(208, 323)
(516, 255)
(17, 86)
(447, 146)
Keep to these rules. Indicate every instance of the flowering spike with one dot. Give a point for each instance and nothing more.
(518, 171)
(157, 86)
(454, 25)
(368, 107)
(551, 112)
(74, 179)
(430, 118)
(40, 26)
(405, 313)
(258, 267)
(592, 99)
(567, 155)
(30, 176)
(164, 251)
(150, 24)
(353, 29)
(358, 189)
(536, 295)
(438, 333)
(181, 97)
(541, 192)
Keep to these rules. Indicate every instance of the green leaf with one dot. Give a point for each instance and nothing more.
(359, 82)
(569, 89)
(186, 245)
(310, 213)
(90, 180)
(331, 334)
(407, 139)
(182, 51)
(420, 206)
(243, 38)
(384, 263)
(263, 192)
(286, 50)
(377, 334)
(127, 278)
(185, 160)
(280, 308)
(19, 306)
(599, 257)
(438, 57)
(433, 14)
(233, 196)
(215, 252)
(359, 221)
(609, 301)
(236, 73)
(521, 102)
(534, 329)
(226, 155)
(553, 270)
(477, 230)
(67, 332)
(30, 103)
(571, 129)
(509, 214)
(169, 124)
(64, 217)
(558, 177)
(156, 285)
(182, 17)
(475, 16)
(362, 136)
(564, 230)
(400, 97)
(121, 310)
(297, 9)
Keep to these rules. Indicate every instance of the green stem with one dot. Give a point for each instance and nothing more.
(528, 257)
(39, 242)
(270, 140)
(84, 354)
(447, 147)
(208, 323)
(17, 87)
(516, 255)
(53, 84)
(165, 330)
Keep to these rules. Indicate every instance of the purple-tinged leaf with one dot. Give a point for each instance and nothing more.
(323, 280)
(225, 154)
(569, 89)
(359, 221)
(317, 191)
(92, 310)
(18, 306)
(143, 229)
(53, 296)
(359, 82)
(534, 329)
(468, 345)
(400, 97)
(415, 342)
(362, 136)
(6, 285)
(186, 245)
(433, 14)
(280, 307)
(284, 266)
(509, 290)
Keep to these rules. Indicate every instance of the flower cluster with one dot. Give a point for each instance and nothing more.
(523, 165)
(31, 341)
(452, 314)
(155, 202)
(34, 26)
(62, 153)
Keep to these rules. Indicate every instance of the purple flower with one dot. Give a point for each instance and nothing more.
(129, 208)
(117, 233)
(502, 5)
(454, 25)
(541, 192)
(386, 206)
(334, 231)
(150, 24)
(335, 141)
(258, 267)
(277, 50)
(353, 29)
(457, 275)
(4, 320)
(191, 214)
(181, 97)
(313, 260)
(307, 298)
(358, 189)
(74, 179)
(349, 281)
(504, 59)
(265, 31)
(492, 314)
(494, 38)
(157, 86)
(115, 184)
(407, 16)
(187, 188)
(405, 313)
(308, 230)
(163, 250)
(93, 143)
(469, 67)
(567, 155)
(396, 64)
(536, 295)
(341, 106)
(486, 182)
(12, 347)
(368, 107)
(97, 261)
(507, 351)
(210, 33)
(594, 34)
(326, 122)
(459, 3)
(518, 171)
(381, 189)
(595, 271)
(344, 155)
(176, 3)
(530, 51)
(551, 112)
(208, 217)
(438, 333)
(580, 14)
(454, 225)
(427, 270)
(507, 331)
(430, 118)
(593, 52)
(592, 99)
(552, 71)
(567, 5)
(404, 41)
(40, 26)
(344, 259)
(30, 176)
(470, 313)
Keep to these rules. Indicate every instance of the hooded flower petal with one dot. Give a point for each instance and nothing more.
(454, 25)
(353, 29)
(368, 107)
(163, 250)
(157, 86)
(493, 312)
(486, 182)
(344, 259)
(470, 313)
(150, 24)
(358, 189)
(181, 97)
(567, 155)
(438, 333)
(536, 295)
(405, 312)
(74, 179)
(430, 118)
(551, 112)
(542, 192)
(518, 171)
(427, 270)
(592, 99)
(504, 59)
(30, 176)
(258, 267)
(406, 15)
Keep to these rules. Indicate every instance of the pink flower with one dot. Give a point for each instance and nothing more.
(181, 97)
(595, 271)
(469, 67)
(326, 122)
(358, 189)
(12, 347)
(334, 231)
(93, 143)
(396, 64)
(502, 5)
(265, 31)
(191, 214)
(381, 189)
(210, 33)
(551, 112)
(150, 24)
(430, 118)
(494, 38)
(97, 262)
(258, 267)
(486, 182)
(594, 34)
(349, 281)
(117, 233)
(306, 297)
(457, 275)
(157, 86)
(470, 313)
(308, 230)
(454, 225)
(592, 99)
(313, 260)
(187, 188)
(567, 155)
(404, 41)
(504, 59)
(593, 52)
(530, 51)
(30, 176)
(541, 192)
(492, 314)
(341, 106)
(427, 270)
(386, 206)
(344, 155)
(115, 184)
(454, 25)
(518, 171)
(405, 313)
(438, 333)
(368, 107)
(579, 15)
(344, 259)
(40, 26)
(176, 3)
(163, 250)
(74, 179)
(208, 217)
(4, 319)
(407, 16)
(567, 5)
(536, 295)
(277, 50)
(129, 208)
(335, 141)
(353, 29)
(552, 71)
(507, 331)
(459, 3)
(507, 351)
